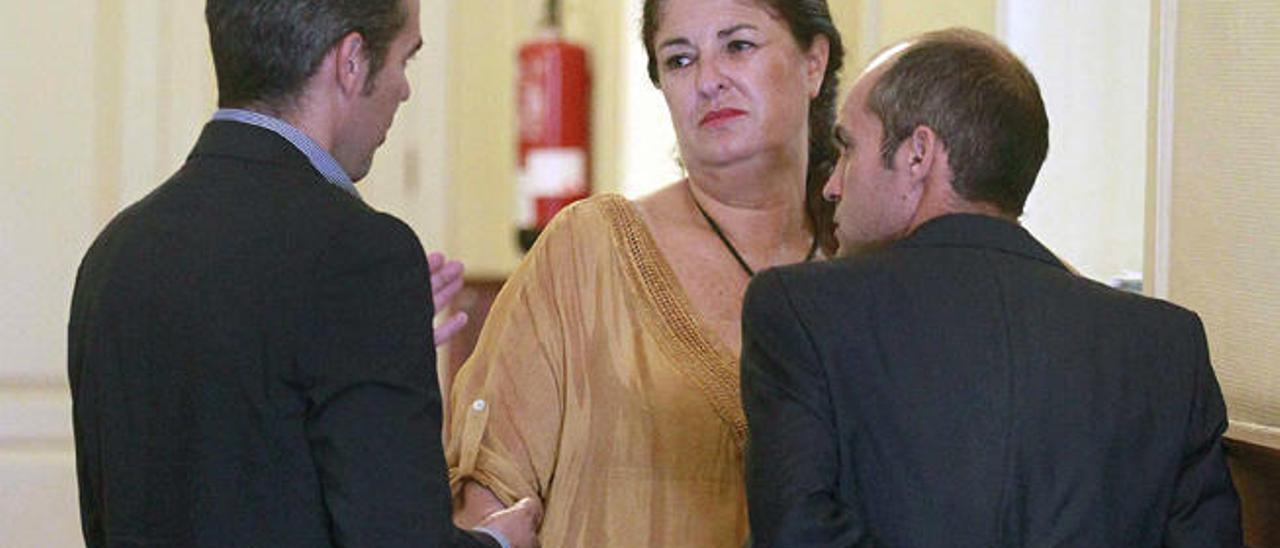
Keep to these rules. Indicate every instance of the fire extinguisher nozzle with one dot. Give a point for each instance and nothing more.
(553, 14)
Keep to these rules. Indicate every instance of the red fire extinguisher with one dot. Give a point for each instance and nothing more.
(554, 106)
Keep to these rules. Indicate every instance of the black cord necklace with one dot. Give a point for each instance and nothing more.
(813, 249)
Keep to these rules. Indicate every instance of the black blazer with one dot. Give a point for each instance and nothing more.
(251, 363)
(963, 389)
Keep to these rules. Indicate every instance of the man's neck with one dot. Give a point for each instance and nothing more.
(953, 204)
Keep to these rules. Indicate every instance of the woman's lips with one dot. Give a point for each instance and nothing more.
(719, 115)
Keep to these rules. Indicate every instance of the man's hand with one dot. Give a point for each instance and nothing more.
(519, 523)
(446, 282)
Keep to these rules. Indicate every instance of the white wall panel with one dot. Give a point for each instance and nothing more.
(1224, 193)
(1090, 58)
(37, 493)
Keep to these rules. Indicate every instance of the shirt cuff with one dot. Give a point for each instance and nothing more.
(501, 538)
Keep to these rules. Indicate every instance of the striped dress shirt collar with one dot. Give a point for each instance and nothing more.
(318, 156)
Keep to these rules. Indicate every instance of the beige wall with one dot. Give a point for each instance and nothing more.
(884, 22)
(1216, 241)
(902, 18)
(100, 101)
(46, 148)
(410, 176)
(77, 138)
(481, 65)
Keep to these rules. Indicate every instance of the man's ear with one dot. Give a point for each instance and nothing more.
(816, 64)
(923, 150)
(351, 64)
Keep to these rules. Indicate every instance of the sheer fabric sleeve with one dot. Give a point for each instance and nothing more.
(508, 400)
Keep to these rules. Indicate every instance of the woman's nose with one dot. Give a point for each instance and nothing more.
(711, 79)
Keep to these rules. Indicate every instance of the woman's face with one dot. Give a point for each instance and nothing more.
(735, 81)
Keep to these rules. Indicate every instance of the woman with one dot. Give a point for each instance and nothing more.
(606, 378)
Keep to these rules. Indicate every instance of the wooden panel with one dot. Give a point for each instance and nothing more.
(475, 299)
(1256, 471)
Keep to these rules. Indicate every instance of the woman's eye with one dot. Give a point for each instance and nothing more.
(677, 61)
(740, 45)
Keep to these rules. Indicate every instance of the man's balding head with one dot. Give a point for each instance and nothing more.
(982, 102)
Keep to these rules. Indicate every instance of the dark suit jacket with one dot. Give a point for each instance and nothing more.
(963, 389)
(251, 363)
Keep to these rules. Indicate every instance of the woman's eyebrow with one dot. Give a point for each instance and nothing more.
(678, 41)
(740, 26)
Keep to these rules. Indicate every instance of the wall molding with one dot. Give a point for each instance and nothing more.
(869, 42)
(35, 417)
(1161, 224)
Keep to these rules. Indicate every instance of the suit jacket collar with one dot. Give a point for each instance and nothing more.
(251, 143)
(980, 231)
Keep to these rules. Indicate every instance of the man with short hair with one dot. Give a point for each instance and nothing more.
(251, 352)
(948, 382)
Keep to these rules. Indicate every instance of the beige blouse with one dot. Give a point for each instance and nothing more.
(596, 387)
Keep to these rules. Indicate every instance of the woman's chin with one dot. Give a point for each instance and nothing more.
(724, 154)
